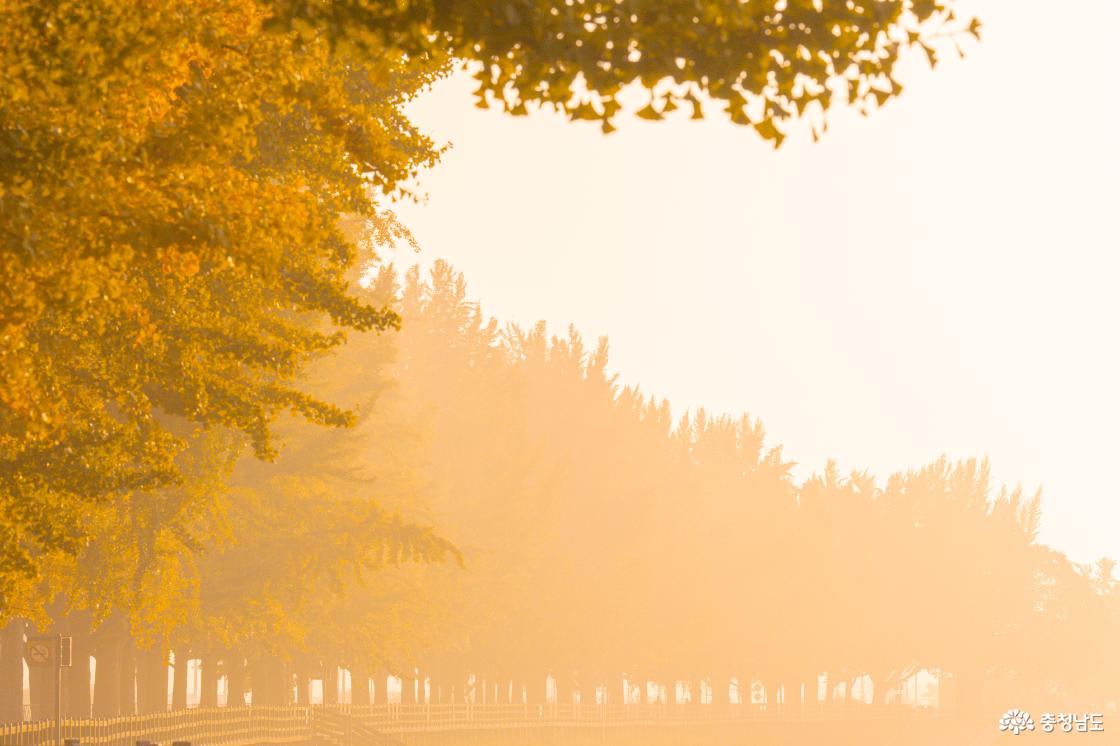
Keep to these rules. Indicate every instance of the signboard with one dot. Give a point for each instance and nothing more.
(49, 651)
(40, 651)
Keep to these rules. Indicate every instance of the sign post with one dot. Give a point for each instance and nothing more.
(52, 652)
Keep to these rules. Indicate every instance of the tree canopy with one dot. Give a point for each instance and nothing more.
(765, 62)
(170, 196)
(174, 175)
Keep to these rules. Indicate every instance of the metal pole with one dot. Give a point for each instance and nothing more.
(58, 689)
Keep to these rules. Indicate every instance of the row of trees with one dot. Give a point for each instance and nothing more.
(598, 535)
(607, 533)
(188, 194)
(174, 179)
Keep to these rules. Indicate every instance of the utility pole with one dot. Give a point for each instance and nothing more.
(58, 691)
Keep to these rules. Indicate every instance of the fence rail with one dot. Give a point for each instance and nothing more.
(377, 724)
(220, 726)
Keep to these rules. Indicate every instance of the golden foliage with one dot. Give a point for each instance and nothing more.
(171, 183)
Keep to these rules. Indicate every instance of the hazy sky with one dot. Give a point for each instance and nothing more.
(938, 278)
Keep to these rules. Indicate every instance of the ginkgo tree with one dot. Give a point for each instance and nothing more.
(173, 174)
(170, 196)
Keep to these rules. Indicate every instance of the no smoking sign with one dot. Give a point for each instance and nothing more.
(40, 651)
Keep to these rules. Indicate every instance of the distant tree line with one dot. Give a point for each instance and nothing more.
(599, 537)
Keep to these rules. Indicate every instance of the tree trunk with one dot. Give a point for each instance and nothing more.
(877, 687)
(281, 681)
(345, 696)
(408, 684)
(41, 679)
(330, 684)
(463, 685)
(235, 682)
(380, 687)
(77, 703)
(107, 675)
(126, 682)
(771, 687)
(359, 686)
(269, 682)
(719, 691)
(11, 671)
(808, 693)
(302, 686)
(152, 680)
(208, 694)
(179, 683)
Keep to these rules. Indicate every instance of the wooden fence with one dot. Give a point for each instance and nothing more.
(385, 725)
(226, 726)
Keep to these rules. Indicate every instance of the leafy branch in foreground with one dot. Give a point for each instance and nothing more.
(765, 62)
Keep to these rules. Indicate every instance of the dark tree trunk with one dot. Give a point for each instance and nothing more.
(107, 674)
(301, 672)
(41, 679)
(179, 683)
(77, 703)
(152, 680)
(302, 687)
(330, 684)
(126, 682)
(462, 687)
(279, 682)
(408, 690)
(208, 693)
(11, 671)
(380, 688)
(270, 682)
(235, 682)
(359, 686)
